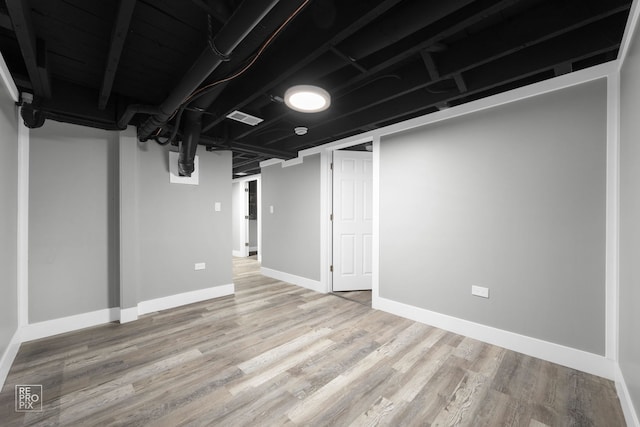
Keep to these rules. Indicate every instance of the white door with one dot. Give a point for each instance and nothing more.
(245, 219)
(352, 220)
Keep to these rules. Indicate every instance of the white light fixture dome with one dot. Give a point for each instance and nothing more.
(307, 98)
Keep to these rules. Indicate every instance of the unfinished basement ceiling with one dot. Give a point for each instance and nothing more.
(381, 61)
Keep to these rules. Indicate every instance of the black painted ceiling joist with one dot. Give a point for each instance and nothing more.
(377, 69)
(348, 60)
(248, 169)
(315, 41)
(561, 69)
(33, 51)
(247, 148)
(263, 151)
(466, 60)
(406, 19)
(430, 65)
(216, 9)
(524, 64)
(243, 165)
(462, 85)
(5, 21)
(118, 37)
(488, 45)
(472, 17)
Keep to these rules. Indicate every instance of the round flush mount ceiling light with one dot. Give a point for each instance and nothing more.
(307, 98)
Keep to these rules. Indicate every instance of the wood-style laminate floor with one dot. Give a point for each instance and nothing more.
(279, 355)
(363, 297)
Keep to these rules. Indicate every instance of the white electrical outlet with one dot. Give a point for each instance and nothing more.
(271, 209)
(218, 206)
(480, 291)
(200, 266)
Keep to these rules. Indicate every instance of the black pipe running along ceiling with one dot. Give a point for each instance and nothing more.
(176, 69)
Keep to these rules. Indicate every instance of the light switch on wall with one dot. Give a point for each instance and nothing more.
(271, 209)
(218, 206)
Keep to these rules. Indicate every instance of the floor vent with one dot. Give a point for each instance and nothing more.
(244, 118)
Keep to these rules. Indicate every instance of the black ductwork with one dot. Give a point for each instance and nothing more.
(193, 128)
(134, 109)
(31, 117)
(241, 23)
(189, 145)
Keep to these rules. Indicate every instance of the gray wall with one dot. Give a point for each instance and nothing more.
(179, 226)
(291, 235)
(8, 218)
(511, 198)
(73, 220)
(629, 223)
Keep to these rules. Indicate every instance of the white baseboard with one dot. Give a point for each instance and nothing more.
(630, 414)
(128, 314)
(562, 355)
(8, 357)
(314, 285)
(178, 300)
(48, 328)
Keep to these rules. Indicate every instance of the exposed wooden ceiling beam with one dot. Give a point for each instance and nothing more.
(118, 37)
(33, 50)
(462, 56)
(430, 65)
(408, 18)
(573, 47)
(79, 104)
(242, 147)
(474, 16)
(248, 169)
(462, 85)
(249, 163)
(5, 22)
(261, 150)
(217, 10)
(565, 68)
(314, 42)
(348, 60)
(536, 26)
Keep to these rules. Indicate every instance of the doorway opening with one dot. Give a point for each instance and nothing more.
(352, 223)
(246, 218)
(252, 217)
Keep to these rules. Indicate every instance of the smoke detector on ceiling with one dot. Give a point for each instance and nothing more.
(245, 118)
